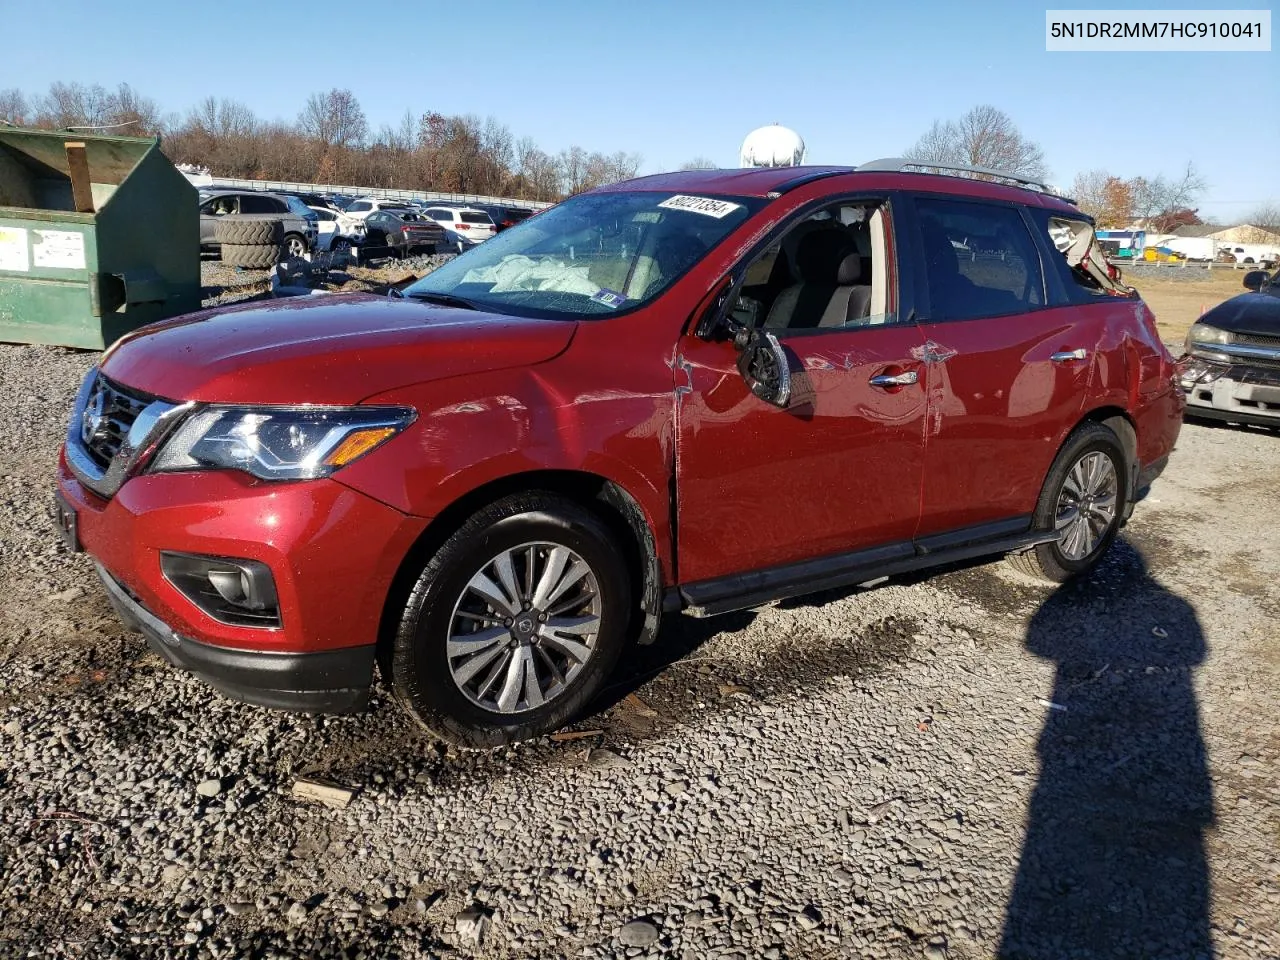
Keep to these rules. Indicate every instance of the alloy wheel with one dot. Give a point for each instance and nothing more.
(1086, 505)
(524, 627)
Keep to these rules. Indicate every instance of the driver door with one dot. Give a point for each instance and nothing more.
(839, 470)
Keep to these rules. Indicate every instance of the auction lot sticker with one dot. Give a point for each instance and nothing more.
(60, 249)
(13, 249)
(704, 205)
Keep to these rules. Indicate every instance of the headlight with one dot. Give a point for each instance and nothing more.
(279, 443)
(1203, 333)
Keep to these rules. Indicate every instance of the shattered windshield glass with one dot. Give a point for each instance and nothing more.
(591, 255)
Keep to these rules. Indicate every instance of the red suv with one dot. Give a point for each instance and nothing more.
(703, 390)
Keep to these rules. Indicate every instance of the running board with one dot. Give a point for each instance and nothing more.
(758, 587)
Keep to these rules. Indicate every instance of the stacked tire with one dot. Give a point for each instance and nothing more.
(249, 240)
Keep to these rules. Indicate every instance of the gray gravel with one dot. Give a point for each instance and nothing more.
(958, 767)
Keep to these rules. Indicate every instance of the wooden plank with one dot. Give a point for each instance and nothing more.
(331, 795)
(78, 168)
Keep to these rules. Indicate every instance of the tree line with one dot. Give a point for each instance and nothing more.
(331, 141)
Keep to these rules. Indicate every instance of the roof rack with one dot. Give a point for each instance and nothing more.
(904, 165)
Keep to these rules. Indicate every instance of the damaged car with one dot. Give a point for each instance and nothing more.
(1231, 368)
(701, 391)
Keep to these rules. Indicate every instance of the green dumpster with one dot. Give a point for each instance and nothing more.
(98, 235)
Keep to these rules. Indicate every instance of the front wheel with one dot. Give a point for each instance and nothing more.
(514, 624)
(1083, 500)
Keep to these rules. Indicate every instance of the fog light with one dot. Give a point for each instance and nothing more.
(241, 593)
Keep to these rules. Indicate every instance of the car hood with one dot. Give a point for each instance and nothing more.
(336, 349)
(1249, 313)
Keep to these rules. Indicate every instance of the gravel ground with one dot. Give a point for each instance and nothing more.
(956, 767)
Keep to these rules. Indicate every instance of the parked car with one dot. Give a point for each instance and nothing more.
(400, 233)
(467, 225)
(363, 206)
(505, 217)
(337, 230)
(703, 390)
(300, 222)
(314, 200)
(1231, 368)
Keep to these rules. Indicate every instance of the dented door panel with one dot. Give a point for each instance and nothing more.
(838, 470)
(999, 408)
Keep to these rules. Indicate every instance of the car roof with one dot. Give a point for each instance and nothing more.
(764, 181)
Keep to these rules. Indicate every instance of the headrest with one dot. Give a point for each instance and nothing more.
(820, 254)
(850, 270)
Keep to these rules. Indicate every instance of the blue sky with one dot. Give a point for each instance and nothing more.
(674, 80)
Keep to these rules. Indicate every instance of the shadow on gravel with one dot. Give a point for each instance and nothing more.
(1114, 864)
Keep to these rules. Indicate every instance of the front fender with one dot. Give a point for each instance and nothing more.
(475, 430)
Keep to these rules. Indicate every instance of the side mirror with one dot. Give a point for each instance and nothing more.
(713, 311)
(1255, 280)
(763, 364)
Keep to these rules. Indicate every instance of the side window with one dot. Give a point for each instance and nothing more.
(359, 206)
(221, 206)
(830, 270)
(325, 214)
(980, 260)
(257, 204)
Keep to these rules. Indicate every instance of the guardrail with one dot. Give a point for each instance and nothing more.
(234, 183)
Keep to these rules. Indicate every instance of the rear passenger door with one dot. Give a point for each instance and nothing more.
(1008, 362)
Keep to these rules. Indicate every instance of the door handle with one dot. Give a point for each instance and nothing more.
(895, 379)
(1066, 356)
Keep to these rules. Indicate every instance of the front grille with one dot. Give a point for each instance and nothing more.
(103, 435)
(1257, 339)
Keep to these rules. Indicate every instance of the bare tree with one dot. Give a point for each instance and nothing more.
(983, 137)
(334, 119)
(1089, 189)
(13, 106)
(72, 105)
(573, 168)
(1266, 218)
(126, 109)
(1162, 203)
(699, 163)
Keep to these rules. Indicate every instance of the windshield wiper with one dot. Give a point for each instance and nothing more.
(444, 299)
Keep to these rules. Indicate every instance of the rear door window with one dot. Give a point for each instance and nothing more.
(249, 203)
(980, 259)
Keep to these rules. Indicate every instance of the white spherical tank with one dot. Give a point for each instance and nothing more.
(772, 146)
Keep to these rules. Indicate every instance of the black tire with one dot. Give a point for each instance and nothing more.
(1048, 561)
(294, 246)
(250, 256)
(421, 674)
(248, 230)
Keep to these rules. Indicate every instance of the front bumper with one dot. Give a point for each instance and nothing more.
(334, 681)
(1241, 394)
(333, 553)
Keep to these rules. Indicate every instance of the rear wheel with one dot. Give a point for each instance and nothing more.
(515, 623)
(1083, 499)
(295, 245)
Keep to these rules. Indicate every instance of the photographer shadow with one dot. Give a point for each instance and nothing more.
(1114, 863)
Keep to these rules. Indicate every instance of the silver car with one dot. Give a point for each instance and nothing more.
(300, 231)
